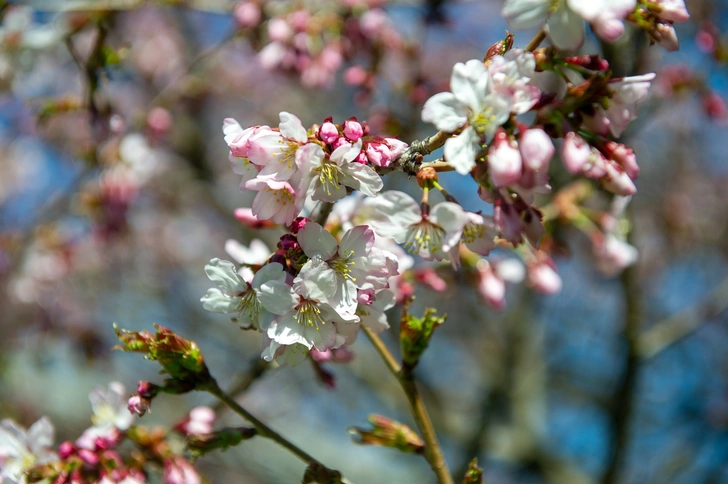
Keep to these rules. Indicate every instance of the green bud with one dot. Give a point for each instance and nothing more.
(474, 474)
(389, 433)
(415, 334)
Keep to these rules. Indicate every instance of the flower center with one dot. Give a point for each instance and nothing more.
(283, 197)
(423, 236)
(342, 265)
(287, 155)
(248, 306)
(329, 176)
(471, 232)
(483, 121)
(309, 314)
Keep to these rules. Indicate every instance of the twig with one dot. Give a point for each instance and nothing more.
(668, 332)
(323, 212)
(536, 40)
(624, 396)
(263, 429)
(257, 369)
(433, 452)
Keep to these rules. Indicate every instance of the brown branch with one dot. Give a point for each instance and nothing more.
(433, 452)
(536, 40)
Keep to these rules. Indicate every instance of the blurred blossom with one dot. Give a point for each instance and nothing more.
(21, 450)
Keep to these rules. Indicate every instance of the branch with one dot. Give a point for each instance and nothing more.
(257, 369)
(536, 40)
(668, 332)
(433, 452)
(262, 429)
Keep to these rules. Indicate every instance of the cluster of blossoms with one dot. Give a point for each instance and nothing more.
(287, 165)
(314, 42)
(564, 19)
(313, 293)
(316, 290)
(27, 456)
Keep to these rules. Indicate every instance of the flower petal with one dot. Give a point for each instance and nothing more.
(445, 111)
(316, 241)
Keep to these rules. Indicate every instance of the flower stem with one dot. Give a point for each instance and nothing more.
(536, 40)
(263, 429)
(433, 452)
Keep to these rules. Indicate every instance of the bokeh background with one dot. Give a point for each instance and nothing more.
(112, 202)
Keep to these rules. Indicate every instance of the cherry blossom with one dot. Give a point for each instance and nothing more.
(236, 296)
(472, 104)
(21, 450)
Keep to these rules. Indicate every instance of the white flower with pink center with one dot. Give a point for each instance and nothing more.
(276, 200)
(303, 317)
(329, 176)
(433, 235)
(275, 151)
(354, 263)
(473, 105)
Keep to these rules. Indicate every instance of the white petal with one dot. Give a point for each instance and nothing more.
(224, 274)
(445, 111)
(317, 241)
(460, 151)
(277, 297)
(469, 83)
(526, 14)
(566, 28)
(292, 128)
(269, 272)
(365, 179)
(286, 331)
(356, 242)
(316, 280)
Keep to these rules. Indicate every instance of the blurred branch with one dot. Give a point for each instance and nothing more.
(212, 6)
(623, 399)
(433, 452)
(263, 429)
(257, 369)
(673, 329)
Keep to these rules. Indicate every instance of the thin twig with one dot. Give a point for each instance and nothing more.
(263, 429)
(536, 40)
(433, 452)
(257, 369)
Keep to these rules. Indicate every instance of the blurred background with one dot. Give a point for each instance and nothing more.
(116, 190)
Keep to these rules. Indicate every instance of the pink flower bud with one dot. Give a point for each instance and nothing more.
(504, 161)
(598, 123)
(666, 36)
(491, 287)
(614, 255)
(537, 149)
(89, 457)
(575, 152)
(66, 449)
(624, 155)
(341, 141)
(139, 405)
(279, 30)
(298, 224)
(356, 76)
(714, 106)
(429, 278)
(617, 181)
(159, 120)
(673, 10)
(543, 277)
(353, 130)
(247, 14)
(179, 471)
(246, 217)
(328, 133)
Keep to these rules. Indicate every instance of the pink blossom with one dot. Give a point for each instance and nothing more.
(276, 200)
(542, 276)
(575, 152)
(247, 14)
(504, 161)
(328, 133)
(353, 129)
(536, 147)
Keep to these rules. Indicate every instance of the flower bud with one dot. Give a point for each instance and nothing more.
(504, 161)
(247, 14)
(328, 133)
(386, 432)
(415, 334)
(536, 148)
(353, 130)
(500, 47)
(617, 181)
(139, 405)
(624, 155)
(543, 278)
(575, 152)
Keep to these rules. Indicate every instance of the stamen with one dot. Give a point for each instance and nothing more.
(424, 236)
(309, 314)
